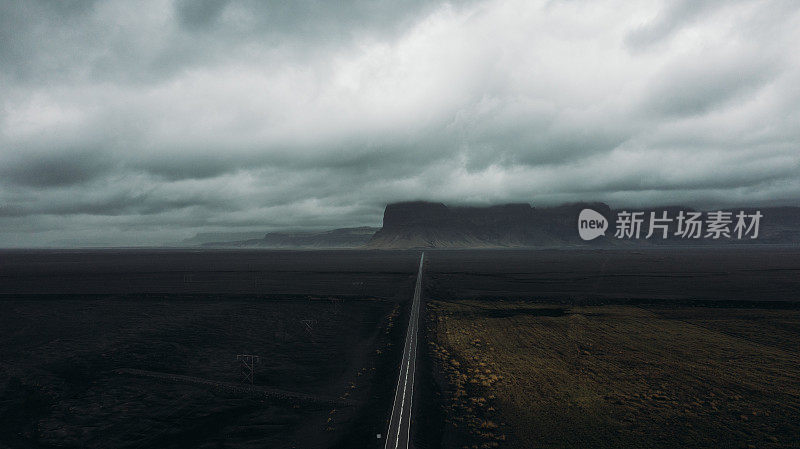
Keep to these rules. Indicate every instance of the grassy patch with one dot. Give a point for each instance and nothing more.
(618, 376)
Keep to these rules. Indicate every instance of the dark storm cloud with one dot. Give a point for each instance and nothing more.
(42, 35)
(306, 19)
(199, 14)
(143, 42)
(145, 122)
(695, 86)
(63, 168)
(113, 206)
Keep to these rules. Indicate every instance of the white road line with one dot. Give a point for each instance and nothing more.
(411, 401)
(409, 355)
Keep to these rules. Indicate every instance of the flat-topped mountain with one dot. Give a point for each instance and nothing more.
(421, 224)
(424, 224)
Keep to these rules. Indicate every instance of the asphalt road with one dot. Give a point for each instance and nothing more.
(399, 432)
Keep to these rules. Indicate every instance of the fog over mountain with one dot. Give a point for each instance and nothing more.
(144, 123)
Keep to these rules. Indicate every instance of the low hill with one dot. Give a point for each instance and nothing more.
(336, 238)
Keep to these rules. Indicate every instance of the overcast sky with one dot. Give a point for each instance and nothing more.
(144, 122)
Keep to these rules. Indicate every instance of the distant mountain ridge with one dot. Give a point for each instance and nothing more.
(210, 237)
(422, 224)
(336, 238)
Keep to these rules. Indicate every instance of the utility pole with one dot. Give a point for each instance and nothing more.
(310, 326)
(363, 288)
(248, 364)
(336, 305)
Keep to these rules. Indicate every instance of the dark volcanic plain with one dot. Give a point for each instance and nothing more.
(137, 348)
